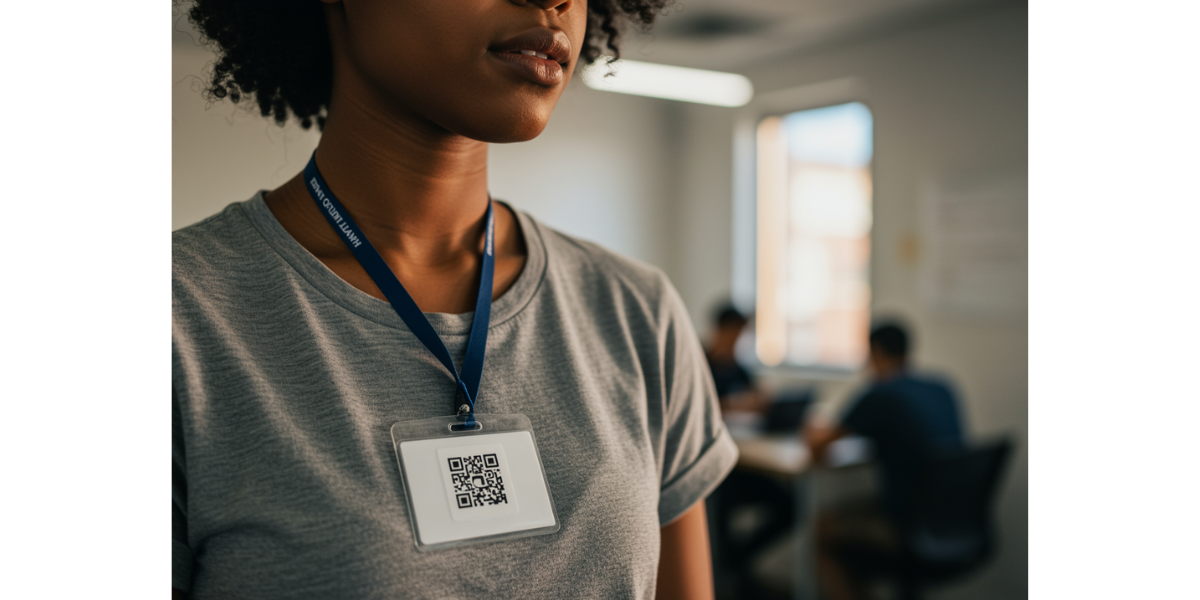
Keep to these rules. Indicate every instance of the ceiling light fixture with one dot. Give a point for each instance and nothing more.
(670, 82)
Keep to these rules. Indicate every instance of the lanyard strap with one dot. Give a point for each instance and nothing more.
(402, 303)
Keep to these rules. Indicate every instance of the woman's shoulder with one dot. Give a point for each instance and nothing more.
(600, 278)
(579, 258)
(212, 240)
(220, 246)
(218, 255)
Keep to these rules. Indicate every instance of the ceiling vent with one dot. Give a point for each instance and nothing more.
(710, 25)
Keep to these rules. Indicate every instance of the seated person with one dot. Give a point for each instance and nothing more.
(737, 393)
(735, 387)
(907, 417)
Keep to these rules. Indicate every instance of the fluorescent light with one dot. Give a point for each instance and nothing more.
(672, 83)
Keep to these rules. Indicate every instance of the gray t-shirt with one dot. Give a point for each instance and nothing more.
(286, 381)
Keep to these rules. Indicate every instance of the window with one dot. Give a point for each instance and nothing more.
(814, 237)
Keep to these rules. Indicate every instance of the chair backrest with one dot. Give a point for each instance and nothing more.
(949, 522)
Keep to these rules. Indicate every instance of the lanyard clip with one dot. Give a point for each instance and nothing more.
(465, 413)
(467, 418)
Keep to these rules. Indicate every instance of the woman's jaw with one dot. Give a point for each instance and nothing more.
(486, 70)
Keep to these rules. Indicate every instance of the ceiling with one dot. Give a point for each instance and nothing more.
(731, 34)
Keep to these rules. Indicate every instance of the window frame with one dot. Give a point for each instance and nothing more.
(745, 209)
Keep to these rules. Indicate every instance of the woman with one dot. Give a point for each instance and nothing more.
(291, 364)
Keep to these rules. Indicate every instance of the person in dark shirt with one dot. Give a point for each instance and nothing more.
(908, 418)
(735, 387)
(771, 498)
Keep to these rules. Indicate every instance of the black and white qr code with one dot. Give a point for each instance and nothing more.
(477, 480)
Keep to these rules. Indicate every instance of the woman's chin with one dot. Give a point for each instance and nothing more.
(502, 130)
(509, 137)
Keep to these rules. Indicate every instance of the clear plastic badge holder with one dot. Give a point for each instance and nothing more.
(470, 486)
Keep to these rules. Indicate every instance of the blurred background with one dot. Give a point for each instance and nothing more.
(877, 170)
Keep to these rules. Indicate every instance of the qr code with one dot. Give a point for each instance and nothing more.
(477, 481)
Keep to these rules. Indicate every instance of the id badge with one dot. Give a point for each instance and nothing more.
(472, 486)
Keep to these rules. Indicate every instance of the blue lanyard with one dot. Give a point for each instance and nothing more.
(393, 290)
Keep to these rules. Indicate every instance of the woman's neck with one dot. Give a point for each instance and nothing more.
(419, 194)
(413, 183)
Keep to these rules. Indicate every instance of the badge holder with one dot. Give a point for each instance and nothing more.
(468, 486)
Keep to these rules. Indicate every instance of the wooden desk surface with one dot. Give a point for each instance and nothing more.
(787, 456)
(783, 456)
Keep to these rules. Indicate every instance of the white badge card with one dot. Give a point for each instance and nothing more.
(466, 487)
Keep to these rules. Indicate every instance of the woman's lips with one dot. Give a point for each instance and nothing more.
(542, 71)
(538, 55)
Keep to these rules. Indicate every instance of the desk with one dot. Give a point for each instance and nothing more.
(783, 456)
(787, 457)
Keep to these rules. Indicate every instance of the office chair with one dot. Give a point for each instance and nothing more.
(948, 530)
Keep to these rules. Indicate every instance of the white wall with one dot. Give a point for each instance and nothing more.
(602, 170)
(947, 97)
(222, 153)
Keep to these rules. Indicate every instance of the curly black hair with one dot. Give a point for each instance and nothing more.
(278, 50)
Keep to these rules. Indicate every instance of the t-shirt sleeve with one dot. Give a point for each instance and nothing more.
(697, 452)
(181, 552)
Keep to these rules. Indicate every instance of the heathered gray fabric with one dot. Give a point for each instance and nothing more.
(287, 380)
